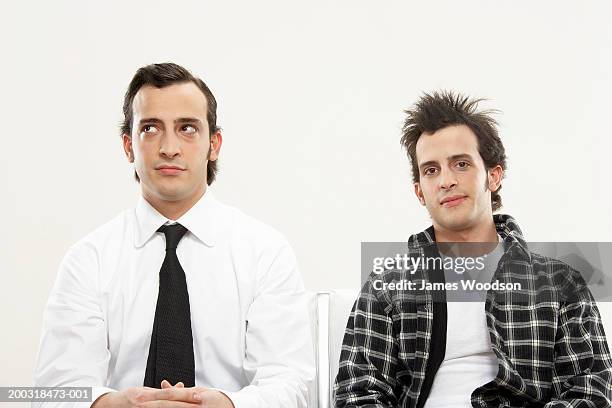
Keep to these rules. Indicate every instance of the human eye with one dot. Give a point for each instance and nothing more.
(429, 171)
(462, 164)
(149, 129)
(189, 129)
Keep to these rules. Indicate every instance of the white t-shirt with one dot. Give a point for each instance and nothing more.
(469, 361)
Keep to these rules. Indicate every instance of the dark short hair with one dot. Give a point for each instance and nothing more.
(160, 76)
(441, 109)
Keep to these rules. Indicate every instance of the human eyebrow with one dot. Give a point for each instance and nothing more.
(148, 121)
(426, 164)
(462, 156)
(188, 120)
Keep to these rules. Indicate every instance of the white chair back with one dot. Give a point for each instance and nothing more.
(334, 308)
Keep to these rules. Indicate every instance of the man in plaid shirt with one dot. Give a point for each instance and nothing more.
(540, 346)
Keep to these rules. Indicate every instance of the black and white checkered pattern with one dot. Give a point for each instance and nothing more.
(548, 337)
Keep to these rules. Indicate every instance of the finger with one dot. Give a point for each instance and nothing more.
(165, 384)
(174, 394)
(180, 384)
(168, 404)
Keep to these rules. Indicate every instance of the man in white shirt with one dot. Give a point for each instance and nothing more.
(243, 337)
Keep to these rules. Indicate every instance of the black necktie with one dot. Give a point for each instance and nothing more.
(171, 349)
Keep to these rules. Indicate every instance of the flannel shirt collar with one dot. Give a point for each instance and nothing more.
(506, 227)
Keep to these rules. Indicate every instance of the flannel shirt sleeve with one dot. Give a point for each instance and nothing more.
(582, 375)
(368, 360)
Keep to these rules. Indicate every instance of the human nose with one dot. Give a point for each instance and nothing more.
(447, 179)
(170, 145)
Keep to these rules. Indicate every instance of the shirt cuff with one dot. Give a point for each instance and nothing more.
(240, 400)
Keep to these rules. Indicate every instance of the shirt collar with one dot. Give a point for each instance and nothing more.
(506, 227)
(199, 220)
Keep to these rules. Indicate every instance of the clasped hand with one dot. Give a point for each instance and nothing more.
(168, 396)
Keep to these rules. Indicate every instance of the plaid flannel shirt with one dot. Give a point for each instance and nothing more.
(549, 342)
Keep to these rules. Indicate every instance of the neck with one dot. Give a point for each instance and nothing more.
(482, 232)
(173, 210)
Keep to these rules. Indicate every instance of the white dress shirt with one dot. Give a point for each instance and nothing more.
(250, 324)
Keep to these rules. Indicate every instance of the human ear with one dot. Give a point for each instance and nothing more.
(495, 176)
(419, 193)
(215, 146)
(127, 147)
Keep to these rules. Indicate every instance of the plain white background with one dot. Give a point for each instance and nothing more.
(310, 99)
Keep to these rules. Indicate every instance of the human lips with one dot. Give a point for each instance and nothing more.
(169, 169)
(452, 201)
